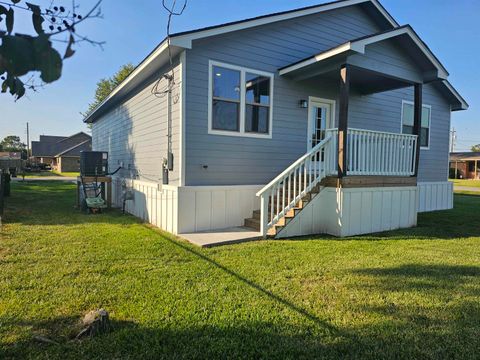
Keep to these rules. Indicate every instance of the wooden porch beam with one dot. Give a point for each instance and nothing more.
(343, 119)
(417, 121)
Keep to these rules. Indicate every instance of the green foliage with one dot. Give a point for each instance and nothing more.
(22, 54)
(475, 148)
(12, 143)
(105, 86)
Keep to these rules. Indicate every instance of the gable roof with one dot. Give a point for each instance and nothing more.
(79, 147)
(183, 40)
(358, 46)
(180, 41)
(47, 147)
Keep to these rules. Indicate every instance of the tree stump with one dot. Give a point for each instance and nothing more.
(96, 322)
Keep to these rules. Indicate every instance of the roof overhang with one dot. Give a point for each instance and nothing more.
(183, 40)
(358, 46)
(457, 102)
(145, 70)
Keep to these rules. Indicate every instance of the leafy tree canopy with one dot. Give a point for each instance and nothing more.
(476, 148)
(12, 143)
(22, 56)
(105, 86)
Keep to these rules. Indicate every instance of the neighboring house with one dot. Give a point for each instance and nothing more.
(10, 155)
(61, 152)
(326, 119)
(465, 165)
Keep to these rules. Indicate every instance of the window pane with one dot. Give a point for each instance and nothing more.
(424, 137)
(226, 83)
(425, 117)
(257, 88)
(256, 119)
(225, 115)
(407, 129)
(407, 114)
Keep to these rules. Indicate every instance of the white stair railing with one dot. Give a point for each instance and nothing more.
(380, 153)
(285, 191)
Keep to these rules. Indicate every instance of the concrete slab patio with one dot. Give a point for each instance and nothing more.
(222, 237)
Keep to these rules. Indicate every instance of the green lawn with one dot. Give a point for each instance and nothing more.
(50, 173)
(468, 183)
(409, 294)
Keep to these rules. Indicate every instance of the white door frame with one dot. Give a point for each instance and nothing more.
(312, 100)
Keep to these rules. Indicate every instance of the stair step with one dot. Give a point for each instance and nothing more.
(252, 223)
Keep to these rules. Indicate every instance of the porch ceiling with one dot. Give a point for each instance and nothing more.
(364, 81)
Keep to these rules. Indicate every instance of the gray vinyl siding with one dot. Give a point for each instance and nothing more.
(227, 160)
(135, 133)
(387, 57)
(247, 161)
(383, 111)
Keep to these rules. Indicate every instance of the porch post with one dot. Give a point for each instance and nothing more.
(417, 122)
(343, 120)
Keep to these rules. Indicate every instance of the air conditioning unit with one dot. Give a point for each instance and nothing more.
(93, 163)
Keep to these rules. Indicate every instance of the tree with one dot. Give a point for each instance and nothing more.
(105, 86)
(12, 143)
(475, 148)
(23, 55)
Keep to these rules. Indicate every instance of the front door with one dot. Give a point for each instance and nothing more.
(320, 118)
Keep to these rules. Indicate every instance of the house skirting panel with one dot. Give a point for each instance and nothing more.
(153, 203)
(205, 208)
(355, 211)
(434, 196)
(188, 209)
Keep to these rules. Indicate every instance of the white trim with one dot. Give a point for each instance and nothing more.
(186, 39)
(429, 123)
(182, 110)
(160, 49)
(358, 46)
(243, 71)
(463, 103)
(317, 58)
(331, 121)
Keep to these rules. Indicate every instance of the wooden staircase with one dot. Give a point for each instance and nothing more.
(254, 221)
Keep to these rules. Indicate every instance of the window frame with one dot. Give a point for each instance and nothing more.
(243, 101)
(429, 122)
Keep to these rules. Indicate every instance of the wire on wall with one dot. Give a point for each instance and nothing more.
(157, 90)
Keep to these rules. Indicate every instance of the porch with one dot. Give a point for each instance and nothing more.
(345, 157)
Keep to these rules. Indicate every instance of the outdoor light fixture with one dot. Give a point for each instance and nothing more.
(303, 104)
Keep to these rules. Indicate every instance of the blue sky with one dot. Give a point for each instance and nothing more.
(132, 29)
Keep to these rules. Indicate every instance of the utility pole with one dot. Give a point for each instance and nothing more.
(453, 139)
(28, 142)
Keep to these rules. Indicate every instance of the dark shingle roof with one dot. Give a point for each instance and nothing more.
(52, 145)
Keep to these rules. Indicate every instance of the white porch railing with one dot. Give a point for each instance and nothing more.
(285, 191)
(368, 153)
(380, 153)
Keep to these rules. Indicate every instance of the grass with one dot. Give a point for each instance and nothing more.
(50, 173)
(468, 183)
(408, 294)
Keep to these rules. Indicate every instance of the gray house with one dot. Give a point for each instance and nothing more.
(326, 119)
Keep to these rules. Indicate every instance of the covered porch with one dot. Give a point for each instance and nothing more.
(356, 157)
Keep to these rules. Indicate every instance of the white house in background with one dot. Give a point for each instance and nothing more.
(327, 119)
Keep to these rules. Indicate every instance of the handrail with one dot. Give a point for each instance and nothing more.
(382, 132)
(285, 192)
(294, 165)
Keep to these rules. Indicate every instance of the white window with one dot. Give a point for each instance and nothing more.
(407, 122)
(240, 101)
